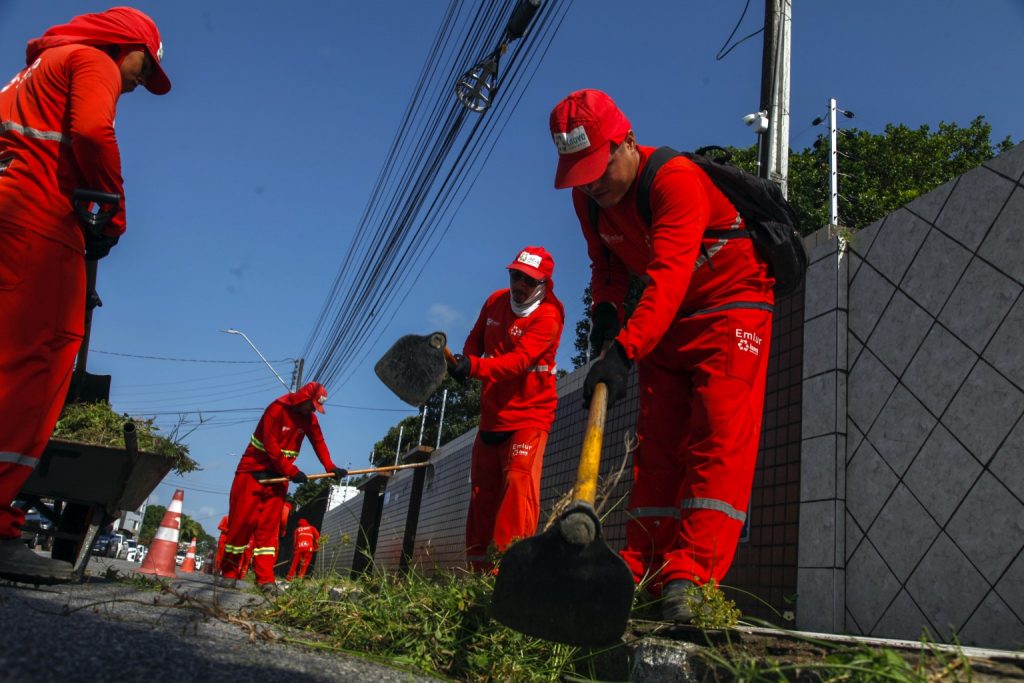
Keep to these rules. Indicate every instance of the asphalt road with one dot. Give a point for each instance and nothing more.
(103, 630)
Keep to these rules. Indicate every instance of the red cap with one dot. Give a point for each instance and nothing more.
(584, 126)
(535, 262)
(311, 391)
(116, 26)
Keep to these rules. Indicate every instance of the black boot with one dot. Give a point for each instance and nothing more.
(18, 563)
(675, 602)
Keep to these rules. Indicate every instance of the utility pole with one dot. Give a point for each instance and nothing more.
(298, 373)
(773, 157)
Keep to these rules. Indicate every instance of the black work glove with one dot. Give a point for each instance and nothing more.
(98, 246)
(460, 369)
(604, 326)
(340, 472)
(299, 477)
(613, 370)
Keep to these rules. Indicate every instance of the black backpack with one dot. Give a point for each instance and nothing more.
(771, 221)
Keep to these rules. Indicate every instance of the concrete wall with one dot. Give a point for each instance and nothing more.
(912, 496)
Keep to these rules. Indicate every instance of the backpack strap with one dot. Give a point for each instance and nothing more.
(658, 158)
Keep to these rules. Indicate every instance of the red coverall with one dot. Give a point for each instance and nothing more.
(56, 135)
(307, 542)
(223, 528)
(700, 338)
(256, 508)
(515, 359)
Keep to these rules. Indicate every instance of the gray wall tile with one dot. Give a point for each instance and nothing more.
(820, 600)
(819, 405)
(824, 249)
(817, 543)
(1008, 463)
(869, 295)
(820, 344)
(1002, 246)
(939, 368)
(989, 527)
(854, 536)
(984, 411)
(946, 587)
(1009, 163)
(1004, 352)
(900, 430)
(854, 437)
(896, 244)
(942, 474)
(855, 262)
(818, 462)
(820, 288)
(869, 481)
(903, 532)
(935, 270)
(899, 332)
(962, 314)
(927, 206)
(865, 237)
(902, 620)
(870, 587)
(1011, 585)
(973, 205)
(870, 384)
(993, 625)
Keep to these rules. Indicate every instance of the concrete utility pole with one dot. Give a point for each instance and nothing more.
(773, 161)
(298, 373)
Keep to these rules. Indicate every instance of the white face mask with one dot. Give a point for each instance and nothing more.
(532, 302)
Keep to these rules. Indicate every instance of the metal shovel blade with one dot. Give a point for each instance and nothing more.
(414, 367)
(554, 589)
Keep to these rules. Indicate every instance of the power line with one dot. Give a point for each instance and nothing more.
(184, 360)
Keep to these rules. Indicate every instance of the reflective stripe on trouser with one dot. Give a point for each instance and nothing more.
(504, 501)
(42, 316)
(300, 560)
(255, 514)
(291, 455)
(701, 399)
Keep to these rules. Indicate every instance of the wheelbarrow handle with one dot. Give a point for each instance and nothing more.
(369, 470)
(585, 489)
(81, 199)
(448, 356)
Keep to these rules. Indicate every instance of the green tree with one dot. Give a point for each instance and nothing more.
(187, 530)
(879, 173)
(461, 414)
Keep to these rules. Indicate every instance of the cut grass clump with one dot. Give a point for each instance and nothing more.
(98, 424)
(435, 624)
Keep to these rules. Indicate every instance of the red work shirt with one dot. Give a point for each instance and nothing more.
(515, 359)
(667, 253)
(56, 135)
(307, 538)
(278, 437)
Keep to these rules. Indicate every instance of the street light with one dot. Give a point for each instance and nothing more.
(248, 341)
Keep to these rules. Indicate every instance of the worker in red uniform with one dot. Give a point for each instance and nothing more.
(307, 542)
(511, 349)
(221, 541)
(56, 135)
(255, 510)
(698, 335)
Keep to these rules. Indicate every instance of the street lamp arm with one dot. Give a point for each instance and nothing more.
(249, 342)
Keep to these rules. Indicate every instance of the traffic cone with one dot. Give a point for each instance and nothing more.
(189, 565)
(164, 547)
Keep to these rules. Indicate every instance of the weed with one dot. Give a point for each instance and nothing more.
(711, 609)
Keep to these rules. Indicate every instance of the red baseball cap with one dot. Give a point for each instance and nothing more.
(584, 126)
(535, 262)
(116, 26)
(315, 392)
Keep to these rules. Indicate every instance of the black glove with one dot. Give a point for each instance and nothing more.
(460, 369)
(299, 477)
(613, 370)
(340, 472)
(604, 326)
(98, 246)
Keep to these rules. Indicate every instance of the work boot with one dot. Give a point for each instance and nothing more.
(270, 590)
(18, 563)
(675, 602)
(224, 582)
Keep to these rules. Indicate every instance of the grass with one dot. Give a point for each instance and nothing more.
(98, 424)
(438, 625)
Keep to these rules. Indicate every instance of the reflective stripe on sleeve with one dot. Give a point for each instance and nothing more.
(52, 135)
(713, 504)
(19, 459)
(235, 549)
(640, 513)
(257, 443)
(542, 368)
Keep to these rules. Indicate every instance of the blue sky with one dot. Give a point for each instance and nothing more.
(244, 183)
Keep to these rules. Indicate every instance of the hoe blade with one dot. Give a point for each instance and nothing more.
(414, 367)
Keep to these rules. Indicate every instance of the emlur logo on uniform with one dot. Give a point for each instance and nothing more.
(748, 341)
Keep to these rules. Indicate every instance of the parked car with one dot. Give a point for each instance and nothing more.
(131, 550)
(179, 558)
(101, 547)
(37, 531)
(117, 545)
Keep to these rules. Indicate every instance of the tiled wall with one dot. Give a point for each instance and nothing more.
(913, 496)
(765, 565)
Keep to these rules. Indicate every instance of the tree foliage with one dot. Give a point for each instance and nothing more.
(188, 529)
(461, 413)
(879, 173)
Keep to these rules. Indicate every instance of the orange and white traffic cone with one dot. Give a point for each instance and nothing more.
(164, 547)
(189, 565)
